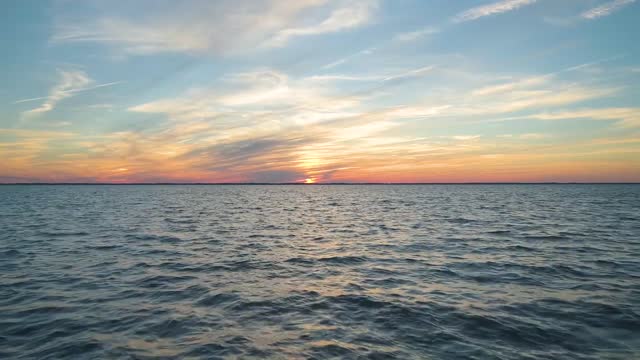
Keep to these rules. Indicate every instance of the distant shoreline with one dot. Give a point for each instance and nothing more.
(339, 183)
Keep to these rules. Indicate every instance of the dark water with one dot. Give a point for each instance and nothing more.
(371, 272)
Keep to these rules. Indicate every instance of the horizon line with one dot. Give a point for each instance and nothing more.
(329, 183)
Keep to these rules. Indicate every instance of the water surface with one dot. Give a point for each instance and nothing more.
(355, 272)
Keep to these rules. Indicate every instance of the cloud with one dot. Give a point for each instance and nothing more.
(265, 121)
(364, 130)
(511, 86)
(530, 92)
(21, 148)
(415, 112)
(530, 99)
(197, 26)
(536, 81)
(465, 137)
(343, 60)
(238, 152)
(72, 91)
(202, 26)
(491, 9)
(415, 35)
(354, 13)
(267, 87)
(254, 94)
(533, 136)
(268, 157)
(605, 9)
(179, 108)
(265, 125)
(70, 82)
(411, 73)
(338, 77)
(276, 176)
(525, 136)
(627, 117)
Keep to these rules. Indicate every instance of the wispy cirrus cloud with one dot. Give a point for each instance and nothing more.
(605, 9)
(417, 34)
(70, 82)
(406, 74)
(491, 9)
(184, 27)
(539, 80)
(200, 26)
(354, 13)
(263, 95)
(525, 136)
(466, 137)
(410, 73)
(553, 95)
(511, 86)
(72, 91)
(348, 58)
(626, 117)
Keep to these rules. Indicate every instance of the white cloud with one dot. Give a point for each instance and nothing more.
(539, 80)
(511, 86)
(408, 112)
(605, 9)
(325, 78)
(628, 117)
(272, 89)
(465, 137)
(182, 108)
(491, 9)
(70, 81)
(364, 130)
(411, 73)
(532, 136)
(353, 14)
(201, 26)
(257, 94)
(415, 35)
(388, 77)
(347, 58)
(72, 91)
(525, 136)
(520, 100)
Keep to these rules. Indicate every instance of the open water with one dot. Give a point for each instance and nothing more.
(319, 272)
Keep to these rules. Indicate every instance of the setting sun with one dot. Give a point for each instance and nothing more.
(309, 181)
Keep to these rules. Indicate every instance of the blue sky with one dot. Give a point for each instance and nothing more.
(320, 90)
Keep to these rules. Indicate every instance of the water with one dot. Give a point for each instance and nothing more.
(377, 272)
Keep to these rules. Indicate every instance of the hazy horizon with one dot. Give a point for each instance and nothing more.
(320, 183)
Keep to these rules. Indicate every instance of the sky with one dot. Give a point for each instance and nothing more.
(320, 91)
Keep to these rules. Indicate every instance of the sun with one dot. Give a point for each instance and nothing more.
(309, 181)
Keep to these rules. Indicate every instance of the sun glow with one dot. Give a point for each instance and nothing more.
(309, 181)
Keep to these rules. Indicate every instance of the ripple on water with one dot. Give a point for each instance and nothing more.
(356, 272)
